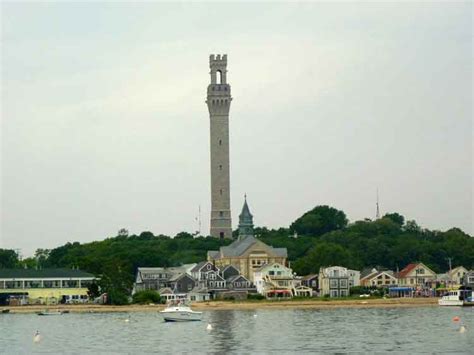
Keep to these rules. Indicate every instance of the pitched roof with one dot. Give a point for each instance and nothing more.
(238, 247)
(176, 277)
(309, 277)
(407, 269)
(378, 273)
(199, 266)
(43, 273)
(235, 278)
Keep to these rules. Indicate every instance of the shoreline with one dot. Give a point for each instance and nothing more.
(236, 305)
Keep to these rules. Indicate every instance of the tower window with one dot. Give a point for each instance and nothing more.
(221, 235)
(220, 141)
(220, 191)
(219, 77)
(221, 214)
(220, 167)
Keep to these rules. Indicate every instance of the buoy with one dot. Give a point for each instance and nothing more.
(456, 319)
(462, 329)
(209, 326)
(37, 337)
(255, 316)
(127, 320)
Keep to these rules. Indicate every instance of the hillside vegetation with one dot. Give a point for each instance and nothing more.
(324, 237)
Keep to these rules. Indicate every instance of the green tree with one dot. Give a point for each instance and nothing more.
(395, 217)
(320, 220)
(324, 254)
(8, 258)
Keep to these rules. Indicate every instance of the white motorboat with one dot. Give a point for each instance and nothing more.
(457, 298)
(180, 312)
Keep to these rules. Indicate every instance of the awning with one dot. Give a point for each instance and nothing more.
(398, 289)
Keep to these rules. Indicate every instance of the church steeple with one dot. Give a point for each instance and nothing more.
(245, 221)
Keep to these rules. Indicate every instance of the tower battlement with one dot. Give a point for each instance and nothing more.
(217, 59)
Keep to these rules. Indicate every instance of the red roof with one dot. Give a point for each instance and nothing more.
(406, 270)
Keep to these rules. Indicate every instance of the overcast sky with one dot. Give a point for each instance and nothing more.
(104, 122)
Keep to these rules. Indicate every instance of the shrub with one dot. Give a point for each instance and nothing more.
(145, 297)
(255, 296)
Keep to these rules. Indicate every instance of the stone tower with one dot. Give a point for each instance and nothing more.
(218, 102)
(245, 221)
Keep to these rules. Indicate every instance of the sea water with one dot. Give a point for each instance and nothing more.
(287, 331)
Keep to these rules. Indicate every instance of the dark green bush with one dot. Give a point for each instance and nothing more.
(145, 297)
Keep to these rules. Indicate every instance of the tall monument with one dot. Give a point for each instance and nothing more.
(218, 102)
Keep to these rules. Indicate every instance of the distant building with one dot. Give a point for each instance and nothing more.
(45, 286)
(380, 279)
(218, 102)
(468, 280)
(354, 277)
(276, 281)
(247, 253)
(311, 281)
(416, 275)
(156, 278)
(456, 275)
(334, 281)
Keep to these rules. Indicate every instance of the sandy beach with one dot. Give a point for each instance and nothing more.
(236, 305)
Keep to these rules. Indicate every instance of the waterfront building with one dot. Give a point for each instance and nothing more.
(311, 281)
(247, 253)
(468, 280)
(156, 278)
(456, 275)
(334, 281)
(222, 283)
(380, 279)
(44, 286)
(218, 102)
(274, 281)
(354, 277)
(416, 275)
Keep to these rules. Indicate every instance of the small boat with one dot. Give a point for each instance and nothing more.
(49, 313)
(4, 311)
(180, 312)
(457, 298)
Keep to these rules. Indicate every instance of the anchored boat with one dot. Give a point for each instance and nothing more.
(457, 298)
(180, 312)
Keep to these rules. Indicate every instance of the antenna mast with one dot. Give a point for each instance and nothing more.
(377, 213)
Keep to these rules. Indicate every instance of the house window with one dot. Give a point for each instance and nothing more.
(343, 293)
(334, 293)
(470, 279)
(271, 272)
(343, 283)
(333, 283)
(209, 266)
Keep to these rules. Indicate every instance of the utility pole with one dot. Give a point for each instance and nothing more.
(449, 259)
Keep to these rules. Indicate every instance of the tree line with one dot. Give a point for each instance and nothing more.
(322, 236)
